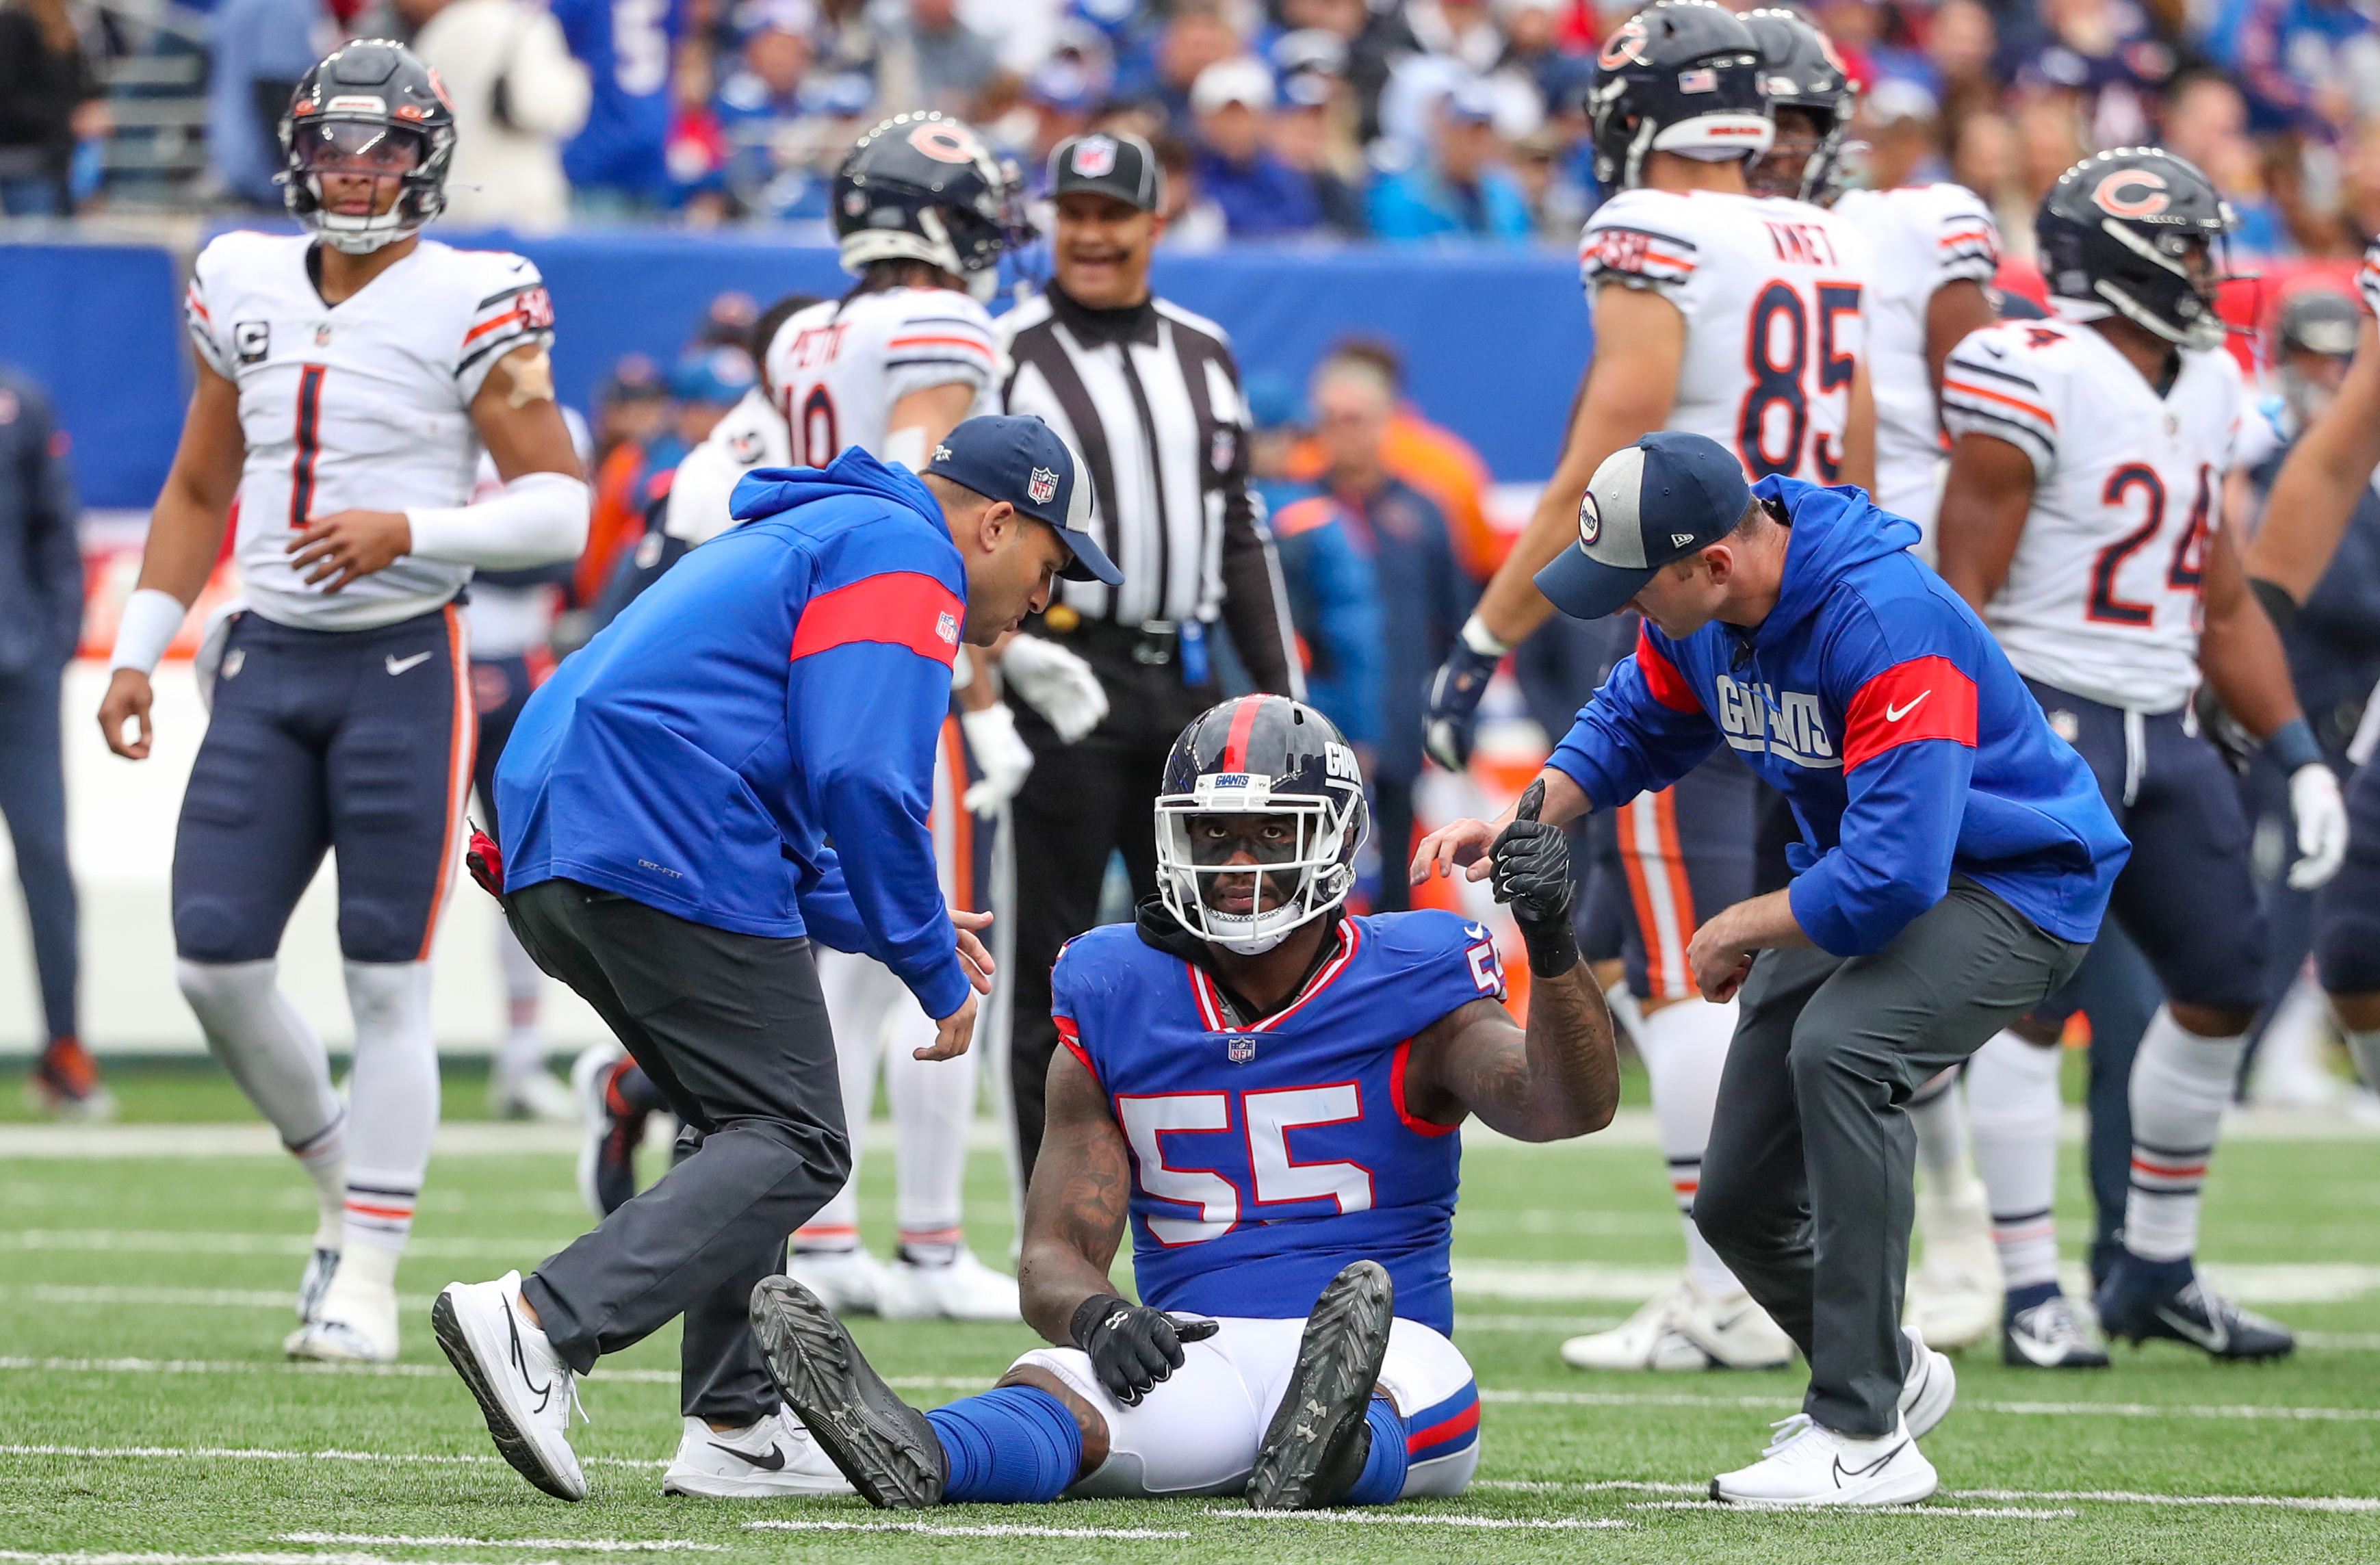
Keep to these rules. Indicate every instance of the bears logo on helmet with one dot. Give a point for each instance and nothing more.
(2110, 196)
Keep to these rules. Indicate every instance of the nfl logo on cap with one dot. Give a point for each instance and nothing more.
(1094, 155)
(1042, 486)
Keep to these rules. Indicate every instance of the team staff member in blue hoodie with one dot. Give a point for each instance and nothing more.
(1956, 860)
(741, 762)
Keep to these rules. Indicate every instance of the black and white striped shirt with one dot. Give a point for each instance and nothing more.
(1150, 399)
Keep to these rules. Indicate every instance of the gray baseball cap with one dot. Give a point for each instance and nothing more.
(1650, 505)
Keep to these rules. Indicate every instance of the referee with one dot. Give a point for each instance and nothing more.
(1149, 395)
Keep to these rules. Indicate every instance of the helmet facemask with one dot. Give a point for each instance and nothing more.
(1243, 867)
(2190, 257)
(333, 161)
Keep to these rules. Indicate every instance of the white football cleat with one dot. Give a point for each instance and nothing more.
(769, 1460)
(965, 1289)
(356, 1322)
(1954, 1297)
(320, 1266)
(1808, 1464)
(531, 1094)
(1686, 1329)
(847, 1282)
(1930, 1389)
(523, 1388)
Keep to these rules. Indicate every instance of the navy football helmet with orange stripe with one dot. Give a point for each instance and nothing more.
(1258, 818)
(1682, 76)
(2141, 233)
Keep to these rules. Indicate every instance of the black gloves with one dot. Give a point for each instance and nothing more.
(1529, 867)
(1132, 1346)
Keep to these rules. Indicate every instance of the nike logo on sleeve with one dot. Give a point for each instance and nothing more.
(1894, 714)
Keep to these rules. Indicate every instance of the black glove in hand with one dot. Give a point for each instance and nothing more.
(1529, 868)
(1133, 1347)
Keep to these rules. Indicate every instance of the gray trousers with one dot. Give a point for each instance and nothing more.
(733, 1029)
(1807, 1187)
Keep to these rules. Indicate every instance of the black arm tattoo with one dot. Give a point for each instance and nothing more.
(1074, 1208)
(1559, 1078)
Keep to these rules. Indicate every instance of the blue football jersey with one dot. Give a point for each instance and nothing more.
(1267, 1157)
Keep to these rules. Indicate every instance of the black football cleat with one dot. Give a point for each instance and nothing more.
(2146, 1300)
(2046, 1336)
(885, 1446)
(1314, 1449)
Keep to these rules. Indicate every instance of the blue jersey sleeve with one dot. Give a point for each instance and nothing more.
(1908, 700)
(1448, 961)
(1643, 731)
(869, 689)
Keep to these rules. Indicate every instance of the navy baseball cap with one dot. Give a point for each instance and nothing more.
(1650, 505)
(1020, 459)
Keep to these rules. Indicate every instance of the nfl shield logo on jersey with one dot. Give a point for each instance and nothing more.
(947, 628)
(1094, 155)
(1240, 1050)
(1042, 486)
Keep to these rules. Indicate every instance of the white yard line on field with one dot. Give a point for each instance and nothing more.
(1568, 1281)
(2058, 1410)
(2095, 1497)
(963, 1530)
(592, 1546)
(173, 1242)
(1430, 1519)
(180, 1298)
(255, 1453)
(403, 1371)
(1863, 1513)
(25, 1557)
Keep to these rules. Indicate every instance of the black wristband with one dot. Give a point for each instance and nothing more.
(2293, 745)
(1088, 1314)
(2279, 607)
(1553, 945)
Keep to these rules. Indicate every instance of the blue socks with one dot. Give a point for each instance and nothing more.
(1016, 1444)
(1384, 1467)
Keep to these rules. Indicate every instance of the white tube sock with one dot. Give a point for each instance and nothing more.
(933, 1103)
(2013, 1107)
(394, 1097)
(1941, 1127)
(1685, 1048)
(2181, 1084)
(854, 986)
(278, 1061)
(523, 1050)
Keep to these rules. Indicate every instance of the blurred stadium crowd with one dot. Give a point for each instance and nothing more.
(1399, 121)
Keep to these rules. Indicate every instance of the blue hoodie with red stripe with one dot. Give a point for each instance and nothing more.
(1876, 700)
(751, 744)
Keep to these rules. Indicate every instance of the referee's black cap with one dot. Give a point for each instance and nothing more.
(1108, 164)
(1021, 460)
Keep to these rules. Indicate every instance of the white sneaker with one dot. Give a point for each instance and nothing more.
(1808, 1464)
(523, 1388)
(764, 1461)
(320, 1266)
(1954, 1297)
(847, 1282)
(356, 1322)
(1930, 1389)
(1686, 1329)
(532, 1095)
(964, 1290)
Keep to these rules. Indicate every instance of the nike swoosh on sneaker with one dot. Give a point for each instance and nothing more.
(2047, 1354)
(397, 665)
(1871, 1470)
(2215, 1336)
(773, 1462)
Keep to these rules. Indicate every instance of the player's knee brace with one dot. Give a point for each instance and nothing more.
(1383, 1479)
(1012, 1445)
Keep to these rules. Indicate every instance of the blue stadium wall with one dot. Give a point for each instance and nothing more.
(1493, 340)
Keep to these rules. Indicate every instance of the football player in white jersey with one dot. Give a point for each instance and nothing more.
(342, 371)
(2306, 516)
(1739, 317)
(1937, 247)
(2083, 520)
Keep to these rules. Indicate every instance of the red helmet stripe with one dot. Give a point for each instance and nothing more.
(1235, 744)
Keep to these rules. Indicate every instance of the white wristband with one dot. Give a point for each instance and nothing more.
(1480, 639)
(151, 621)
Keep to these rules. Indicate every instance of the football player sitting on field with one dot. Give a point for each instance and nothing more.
(1270, 1090)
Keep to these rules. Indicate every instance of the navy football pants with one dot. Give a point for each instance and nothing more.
(355, 741)
(33, 797)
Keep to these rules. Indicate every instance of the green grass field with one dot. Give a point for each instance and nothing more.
(146, 1417)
